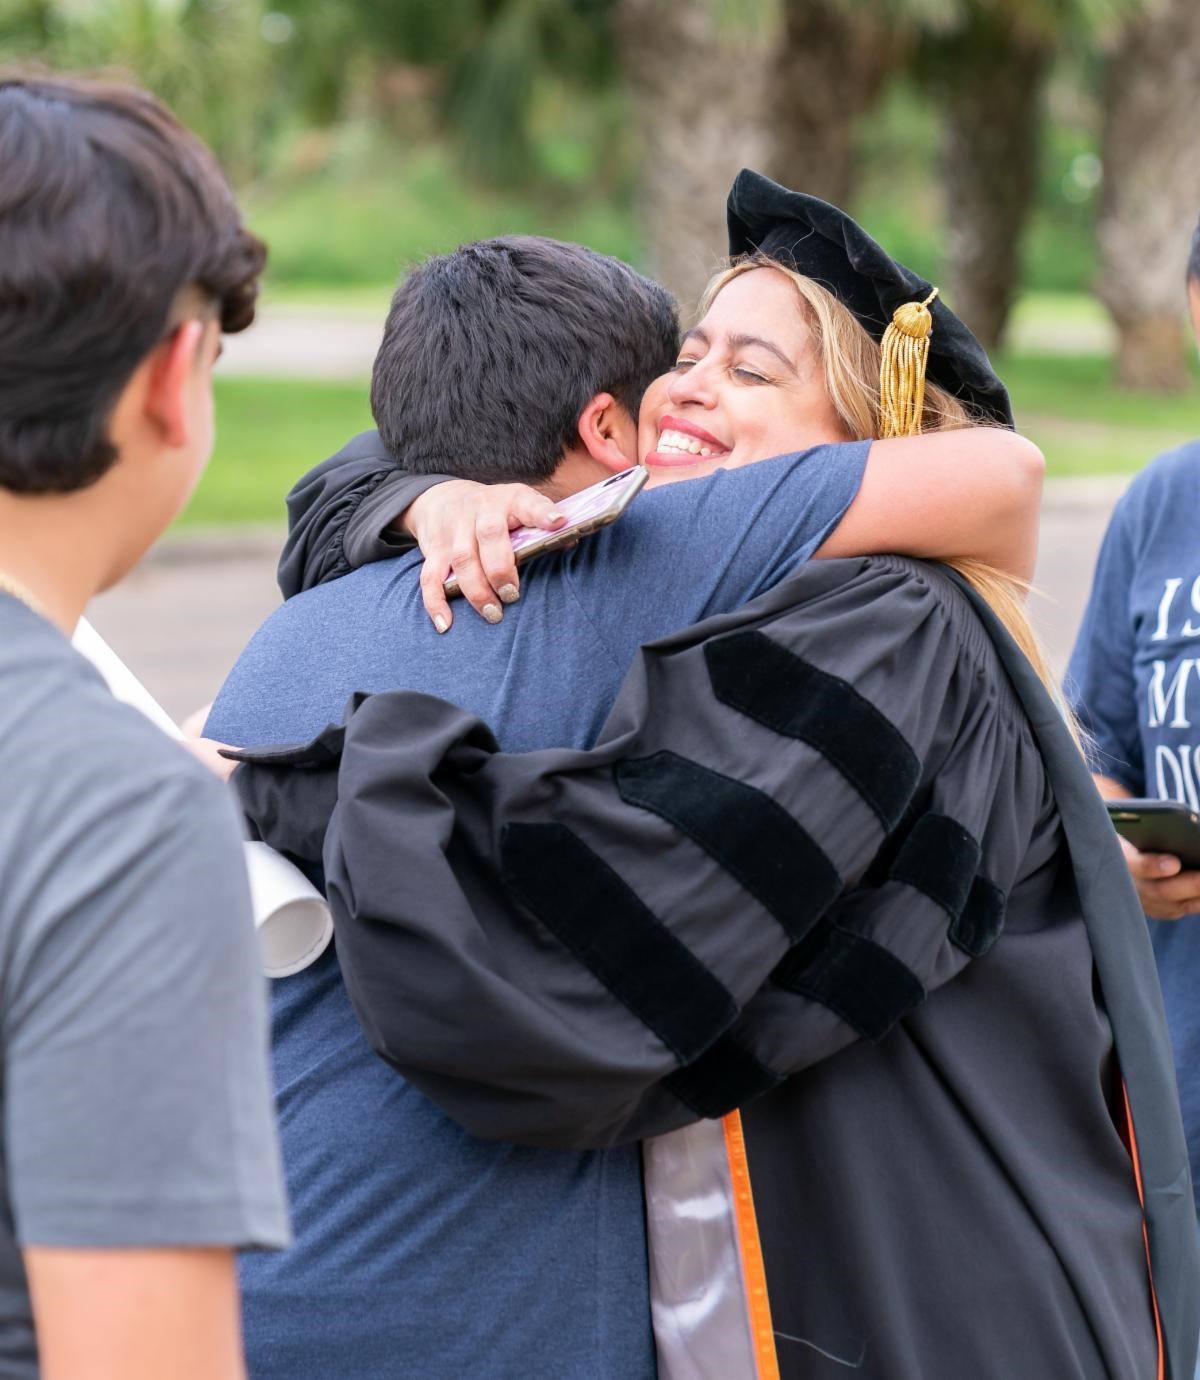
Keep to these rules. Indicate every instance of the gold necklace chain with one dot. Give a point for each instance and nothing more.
(9, 585)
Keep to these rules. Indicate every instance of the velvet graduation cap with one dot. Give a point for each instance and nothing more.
(918, 332)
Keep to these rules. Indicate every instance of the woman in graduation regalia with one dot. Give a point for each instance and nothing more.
(830, 917)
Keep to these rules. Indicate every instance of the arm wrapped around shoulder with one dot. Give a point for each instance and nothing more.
(799, 819)
(339, 511)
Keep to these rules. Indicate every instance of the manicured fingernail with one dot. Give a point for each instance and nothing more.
(492, 613)
(555, 517)
(509, 594)
(440, 623)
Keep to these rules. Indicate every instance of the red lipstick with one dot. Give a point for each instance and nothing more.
(691, 429)
(674, 458)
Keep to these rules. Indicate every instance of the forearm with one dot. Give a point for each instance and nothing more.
(340, 514)
(319, 506)
(135, 1314)
(971, 494)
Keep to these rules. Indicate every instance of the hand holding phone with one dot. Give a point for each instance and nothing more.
(1159, 826)
(1163, 856)
(586, 512)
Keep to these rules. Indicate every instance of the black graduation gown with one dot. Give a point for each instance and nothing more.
(834, 861)
(339, 512)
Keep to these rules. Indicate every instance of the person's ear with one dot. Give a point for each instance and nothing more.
(608, 433)
(170, 381)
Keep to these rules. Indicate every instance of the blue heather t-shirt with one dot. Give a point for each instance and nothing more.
(421, 1251)
(1134, 680)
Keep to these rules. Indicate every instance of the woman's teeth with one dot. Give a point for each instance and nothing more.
(684, 445)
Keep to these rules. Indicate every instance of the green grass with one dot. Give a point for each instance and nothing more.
(1060, 322)
(269, 431)
(1085, 426)
(353, 228)
(345, 299)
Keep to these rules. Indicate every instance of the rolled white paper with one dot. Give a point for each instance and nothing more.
(292, 917)
(121, 680)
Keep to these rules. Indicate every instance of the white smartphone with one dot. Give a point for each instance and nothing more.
(587, 511)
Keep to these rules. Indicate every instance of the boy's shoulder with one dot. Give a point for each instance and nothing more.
(68, 749)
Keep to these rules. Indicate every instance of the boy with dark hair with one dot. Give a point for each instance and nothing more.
(460, 322)
(517, 359)
(138, 1146)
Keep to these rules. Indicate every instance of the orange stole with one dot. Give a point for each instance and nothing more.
(750, 1248)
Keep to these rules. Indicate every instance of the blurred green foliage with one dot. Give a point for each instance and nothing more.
(362, 220)
(1085, 426)
(363, 135)
(900, 197)
(207, 58)
(269, 432)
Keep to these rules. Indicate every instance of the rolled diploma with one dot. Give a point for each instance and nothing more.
(292, 918)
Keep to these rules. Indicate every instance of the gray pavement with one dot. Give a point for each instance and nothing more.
(1074, 516)
(311, 342)
(181, 618)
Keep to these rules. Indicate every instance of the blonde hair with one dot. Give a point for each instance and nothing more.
(850, 359)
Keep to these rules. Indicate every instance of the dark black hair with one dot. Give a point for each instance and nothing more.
(109, 208)
(1193, 267)
(491, 353)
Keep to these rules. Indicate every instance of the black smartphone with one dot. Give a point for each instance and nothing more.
(1159, 826)
(586, 512)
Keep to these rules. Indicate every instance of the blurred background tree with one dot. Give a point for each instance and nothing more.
(697, 74)
(205, 57)
(1151, 186)
(1037, 154)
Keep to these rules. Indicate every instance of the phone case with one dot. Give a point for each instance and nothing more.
(587, 511)
(1159, 826)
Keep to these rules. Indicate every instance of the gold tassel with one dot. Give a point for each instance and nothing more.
(905, 351)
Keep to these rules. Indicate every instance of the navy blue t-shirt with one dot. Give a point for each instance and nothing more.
(421, 1251)
(1134, 681)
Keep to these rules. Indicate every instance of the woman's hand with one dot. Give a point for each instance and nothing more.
(463, 528)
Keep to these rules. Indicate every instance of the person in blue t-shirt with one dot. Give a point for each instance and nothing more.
(420, 1250)
(1134, 681)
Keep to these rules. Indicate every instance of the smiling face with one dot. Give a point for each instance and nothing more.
(749, 384)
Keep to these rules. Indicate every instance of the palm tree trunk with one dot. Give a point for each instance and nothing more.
(990, 79)
(830, 70)
(1151, 191)
(698, 87)
(780, 91)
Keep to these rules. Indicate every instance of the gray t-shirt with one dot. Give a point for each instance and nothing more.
(133, 1058)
